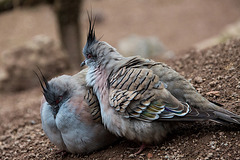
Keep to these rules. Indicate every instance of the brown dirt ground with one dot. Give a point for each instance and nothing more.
(179, 24)
(217, 67)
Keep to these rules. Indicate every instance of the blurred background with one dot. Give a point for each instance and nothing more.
(50, 34)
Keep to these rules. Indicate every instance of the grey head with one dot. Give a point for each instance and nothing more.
(56, 92)
(97, 53)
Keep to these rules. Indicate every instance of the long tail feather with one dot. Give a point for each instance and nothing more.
(231, 118)
(223, 116)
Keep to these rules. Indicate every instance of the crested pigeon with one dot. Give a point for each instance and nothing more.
(141, 99)
(70, 115)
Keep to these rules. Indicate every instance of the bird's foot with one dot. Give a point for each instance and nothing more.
(142, 147)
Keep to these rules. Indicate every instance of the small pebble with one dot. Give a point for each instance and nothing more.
(198, 80)
(32, 122)
(131, 156)
(213, 83)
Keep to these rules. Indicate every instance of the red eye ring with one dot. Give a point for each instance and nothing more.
(59, 99)
(89, 56)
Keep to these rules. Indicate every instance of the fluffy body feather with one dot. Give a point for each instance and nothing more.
(73, 121)
(141, 99)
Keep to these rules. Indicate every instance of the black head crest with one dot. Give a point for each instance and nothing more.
(91, 32)
(45, 86)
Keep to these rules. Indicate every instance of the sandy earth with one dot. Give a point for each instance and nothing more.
(179, 24)
(214, 72)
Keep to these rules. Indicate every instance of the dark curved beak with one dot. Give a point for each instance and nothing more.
(83, 64)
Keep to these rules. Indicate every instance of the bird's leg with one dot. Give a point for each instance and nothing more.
(142, 147)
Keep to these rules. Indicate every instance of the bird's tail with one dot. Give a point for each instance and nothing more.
(225, 117)
(216, 114)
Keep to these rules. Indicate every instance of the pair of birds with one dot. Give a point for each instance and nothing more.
(132, 97)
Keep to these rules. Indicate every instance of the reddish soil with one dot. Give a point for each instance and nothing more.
(214, 72)
(179, 24)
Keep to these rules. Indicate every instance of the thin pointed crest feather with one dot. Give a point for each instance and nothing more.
(91, 32)
(100, 38)
(43, 80)
(44, 89)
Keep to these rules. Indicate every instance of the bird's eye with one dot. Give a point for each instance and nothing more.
(89, 56)
(59, 99)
